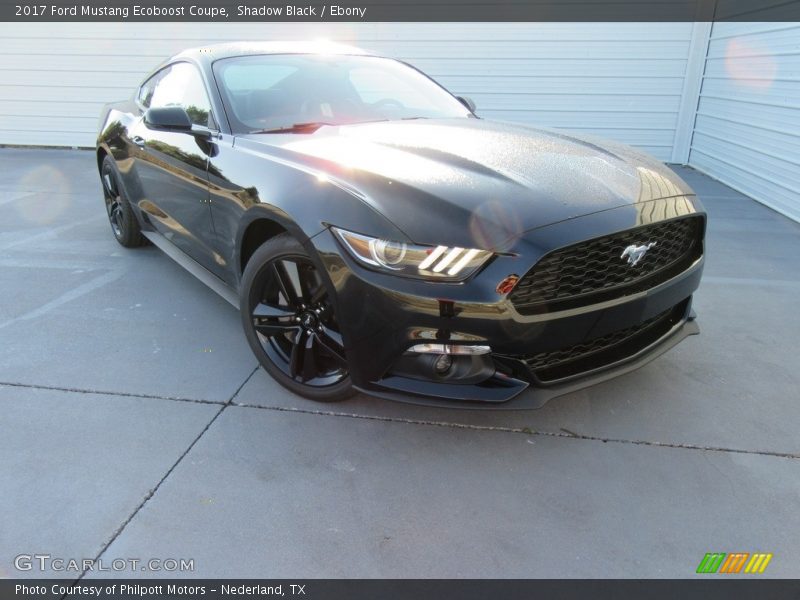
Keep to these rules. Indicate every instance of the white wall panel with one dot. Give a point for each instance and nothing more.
(619, 80)
(747, 129)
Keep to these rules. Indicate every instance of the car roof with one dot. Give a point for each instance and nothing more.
(212, 52)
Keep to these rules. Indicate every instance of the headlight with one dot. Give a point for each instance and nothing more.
(443, 263)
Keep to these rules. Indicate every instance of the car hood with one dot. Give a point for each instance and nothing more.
(471, 181)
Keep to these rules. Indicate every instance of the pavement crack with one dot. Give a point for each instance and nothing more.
(244, 383)
(150, 493)
(110, 393)
(564, 433)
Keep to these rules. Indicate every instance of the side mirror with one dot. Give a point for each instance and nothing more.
(168, 118)
(467, 102)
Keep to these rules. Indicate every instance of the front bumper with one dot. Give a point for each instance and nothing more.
(381, 316)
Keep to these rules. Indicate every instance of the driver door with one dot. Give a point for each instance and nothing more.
(172, 167)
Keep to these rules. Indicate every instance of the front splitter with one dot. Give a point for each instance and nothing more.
(515, 394)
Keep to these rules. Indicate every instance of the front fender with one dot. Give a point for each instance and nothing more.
(247, 186)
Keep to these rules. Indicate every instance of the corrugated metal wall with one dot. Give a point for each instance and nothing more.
(622, 81)
(747, 129)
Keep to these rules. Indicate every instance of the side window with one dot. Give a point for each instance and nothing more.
(145, 95)
(182, 86)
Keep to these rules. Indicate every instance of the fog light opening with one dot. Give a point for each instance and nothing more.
(429, 348)
(442, 364)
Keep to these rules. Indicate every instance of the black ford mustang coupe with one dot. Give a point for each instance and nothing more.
(378, 236)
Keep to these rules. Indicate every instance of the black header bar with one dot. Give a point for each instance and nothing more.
(708, 588)
(397, 10)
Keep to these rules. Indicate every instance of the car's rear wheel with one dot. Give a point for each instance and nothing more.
(120, 214)
(289, 321)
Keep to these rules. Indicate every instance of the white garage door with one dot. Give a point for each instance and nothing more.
(622, 81)
(747, 131)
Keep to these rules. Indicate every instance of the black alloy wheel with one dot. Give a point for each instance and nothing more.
(290, 323)
(120, 215)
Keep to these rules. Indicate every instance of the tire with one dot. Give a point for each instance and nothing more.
(124, 224)
(293, 332)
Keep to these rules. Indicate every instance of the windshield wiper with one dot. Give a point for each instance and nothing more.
(309, 127)
(312, 126)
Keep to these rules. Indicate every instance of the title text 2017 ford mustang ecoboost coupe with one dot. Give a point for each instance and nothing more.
(378, 236)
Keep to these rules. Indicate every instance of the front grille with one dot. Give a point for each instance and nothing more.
(593, 271)
(603, 350)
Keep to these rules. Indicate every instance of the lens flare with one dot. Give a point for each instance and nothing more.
(48, 188)
(494, 227)
(750, 65)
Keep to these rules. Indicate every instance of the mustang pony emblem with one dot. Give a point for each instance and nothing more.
(636, 253)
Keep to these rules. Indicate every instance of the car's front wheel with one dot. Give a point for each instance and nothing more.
(289, 321)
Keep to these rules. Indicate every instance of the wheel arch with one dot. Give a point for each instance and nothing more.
(258, 232)
(101, 156)
(259, 225)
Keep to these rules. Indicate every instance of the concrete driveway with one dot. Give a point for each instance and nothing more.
(135, 424)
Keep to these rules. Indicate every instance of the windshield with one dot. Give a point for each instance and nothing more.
(280, 91)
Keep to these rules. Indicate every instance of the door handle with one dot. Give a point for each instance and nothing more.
(138, 140)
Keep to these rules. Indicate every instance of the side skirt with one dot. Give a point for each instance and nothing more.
(203, 274)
